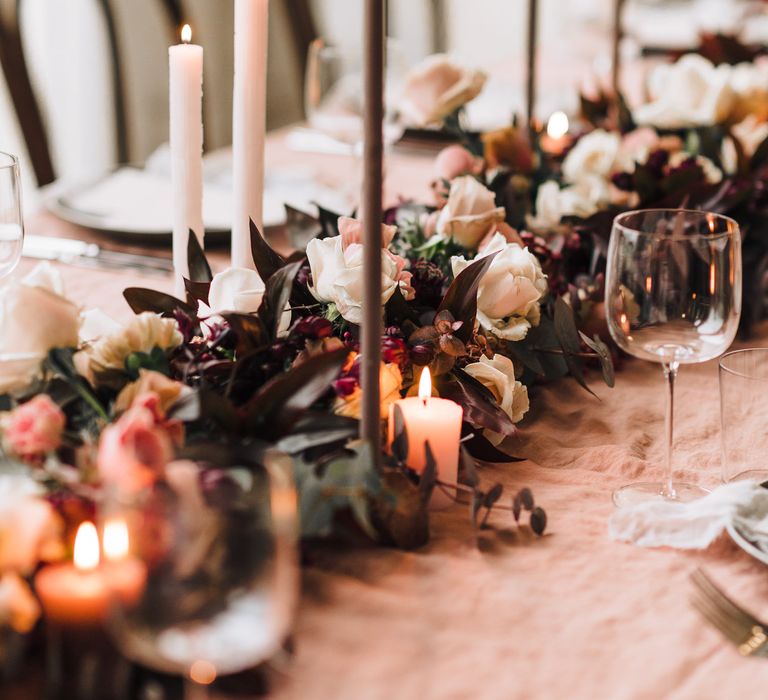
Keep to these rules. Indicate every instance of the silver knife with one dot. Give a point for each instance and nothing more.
(74, 252)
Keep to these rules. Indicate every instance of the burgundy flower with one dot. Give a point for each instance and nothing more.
(428, 282)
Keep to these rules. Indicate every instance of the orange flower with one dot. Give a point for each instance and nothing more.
(507, 147)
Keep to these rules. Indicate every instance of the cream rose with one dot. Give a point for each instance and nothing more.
(35, 317)
(690, 92)
(510, 290)
(554, 202)
(598, 154)
(750, 132)
(390, 384)
(498, 376)
(436, 88)
(469, 214)
(145, 332)
(336, 264)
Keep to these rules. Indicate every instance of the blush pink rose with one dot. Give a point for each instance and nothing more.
(153, 402)
(351, 231)
(456, 160)
(134, 450)
(35, 428)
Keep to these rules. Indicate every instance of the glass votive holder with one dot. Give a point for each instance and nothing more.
(744, 414)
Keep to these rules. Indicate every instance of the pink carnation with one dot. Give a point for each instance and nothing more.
(34, 428)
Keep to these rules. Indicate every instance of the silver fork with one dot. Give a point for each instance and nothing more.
(737, 624)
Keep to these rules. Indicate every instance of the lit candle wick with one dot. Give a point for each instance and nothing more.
(86, 554)
(186, 34)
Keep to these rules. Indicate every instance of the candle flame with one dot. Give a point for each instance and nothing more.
(557, 126)
(115, 540)
(425, 385)
(712, 278)
(186, 33)
(711, 222)
(86, 547)
(202, 672)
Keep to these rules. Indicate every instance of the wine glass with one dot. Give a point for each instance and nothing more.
(672, 296)
(333, 100)
(204, 570)
(11, 220)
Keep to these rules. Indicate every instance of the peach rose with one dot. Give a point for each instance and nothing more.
(34, 429)
(134, 450)
(436, 88)
(470, 214)
(167, 390)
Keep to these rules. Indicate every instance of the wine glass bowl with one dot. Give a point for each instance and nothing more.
(673, 296)
(11, 218)
(211, 578)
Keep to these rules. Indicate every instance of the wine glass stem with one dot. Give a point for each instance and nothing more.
(670, 374)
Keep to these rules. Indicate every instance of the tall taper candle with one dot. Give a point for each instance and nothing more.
(372, 326)
(185, 62)
(616, 53)
(249, 115)
(530, 78)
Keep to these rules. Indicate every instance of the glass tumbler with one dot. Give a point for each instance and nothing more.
(744, 414)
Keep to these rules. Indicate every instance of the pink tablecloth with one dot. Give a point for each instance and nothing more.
(509, 616)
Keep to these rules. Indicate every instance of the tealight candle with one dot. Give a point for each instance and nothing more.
(75, 593)
(431, 419)
(125, 575)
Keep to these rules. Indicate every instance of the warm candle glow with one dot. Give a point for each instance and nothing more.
(425, 385)
(202, 672)
(115, 540)
(86, 547)
(186, 33)
(557, 126)
(712, 278)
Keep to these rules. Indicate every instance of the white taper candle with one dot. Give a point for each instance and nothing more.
(249, 112)
(186, 136)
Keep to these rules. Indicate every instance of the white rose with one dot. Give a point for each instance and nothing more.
(35, 317)
(582, 200)
(510, 290)
(498, 376)
(145, 332)
(436, 88)
(596, 154)
(470, 213)
(236, 289)
(750, 83)
(690, 92)
(338, 276)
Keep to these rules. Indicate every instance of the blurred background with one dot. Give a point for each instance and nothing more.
(97, 95)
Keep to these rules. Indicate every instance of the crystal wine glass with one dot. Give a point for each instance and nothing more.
(672, 296)
(204, 564)
(11, 220)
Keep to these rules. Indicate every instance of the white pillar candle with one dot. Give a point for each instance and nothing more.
(186, 135)
(249, 121)
(431, 419)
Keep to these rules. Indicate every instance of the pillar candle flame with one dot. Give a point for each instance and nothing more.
(557, 126)
(86, 554)
(425, 385)
(186, 34)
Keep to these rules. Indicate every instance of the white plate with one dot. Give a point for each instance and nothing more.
(745, 544)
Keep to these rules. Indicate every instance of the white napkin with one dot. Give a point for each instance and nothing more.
(697, 524)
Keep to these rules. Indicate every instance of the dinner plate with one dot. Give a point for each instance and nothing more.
(749, 547)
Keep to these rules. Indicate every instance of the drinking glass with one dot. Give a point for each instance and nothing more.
(333, 100)
(11, 221)
(744, 413)
(672, 296)
(204, 570)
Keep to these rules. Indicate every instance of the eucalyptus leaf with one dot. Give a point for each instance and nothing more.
(538, 521)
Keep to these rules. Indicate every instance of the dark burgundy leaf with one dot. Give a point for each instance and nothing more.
(282, 400)
(493, 495)
(197, 291)
(479, 410)
(140, 300)
(249, 330)
(479, 447)
(279, 288)
(461, 297)
(267, 261)
(199, 269)
(429, 475)
(400, 440)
